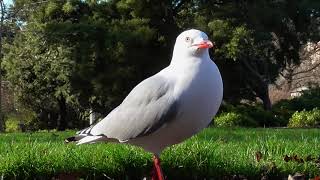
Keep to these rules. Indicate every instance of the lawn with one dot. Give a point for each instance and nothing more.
(214, 153)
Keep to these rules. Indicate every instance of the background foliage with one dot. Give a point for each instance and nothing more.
(67, 57)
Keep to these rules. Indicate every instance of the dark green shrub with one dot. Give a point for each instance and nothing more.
(305, 118)
(262, 117)
(20, 121)
(232, 119)
(309, 100)
(12, 123)
(256, 112)
(281, 112)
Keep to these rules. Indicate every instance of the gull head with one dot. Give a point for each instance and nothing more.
(192, 43)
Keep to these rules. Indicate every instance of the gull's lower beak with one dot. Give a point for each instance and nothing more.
(205, 44)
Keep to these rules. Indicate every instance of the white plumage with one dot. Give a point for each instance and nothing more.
(170, 106)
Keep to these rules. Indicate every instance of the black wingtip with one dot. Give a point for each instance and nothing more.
(70, 139)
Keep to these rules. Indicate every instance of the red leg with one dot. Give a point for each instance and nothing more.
(157, 172)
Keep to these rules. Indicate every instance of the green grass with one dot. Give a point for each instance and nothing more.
(214, 153)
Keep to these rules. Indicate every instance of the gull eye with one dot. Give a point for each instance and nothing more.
(188, 39)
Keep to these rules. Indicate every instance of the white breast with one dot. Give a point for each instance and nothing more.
(201, 99)
(199, 92)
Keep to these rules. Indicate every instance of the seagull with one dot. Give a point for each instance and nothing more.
(168, 107)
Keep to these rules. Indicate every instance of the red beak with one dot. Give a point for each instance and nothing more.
(204, 44)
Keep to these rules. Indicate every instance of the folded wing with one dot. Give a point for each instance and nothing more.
(148, 107)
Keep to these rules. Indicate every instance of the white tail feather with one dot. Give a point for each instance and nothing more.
(90, 139)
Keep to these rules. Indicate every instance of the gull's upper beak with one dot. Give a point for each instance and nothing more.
(204, 44)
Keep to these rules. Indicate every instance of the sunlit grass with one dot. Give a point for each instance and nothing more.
(217, 153)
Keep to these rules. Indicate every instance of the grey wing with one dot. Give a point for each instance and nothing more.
(149, 106)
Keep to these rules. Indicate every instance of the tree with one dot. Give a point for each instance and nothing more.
(258, 38)
(89, 54)
(40, 73)
(307, 72)
(7, 30)
(90, 46)
(103, 36)
(103, 42)
(303, 75)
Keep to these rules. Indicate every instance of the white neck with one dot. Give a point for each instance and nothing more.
(180, 60)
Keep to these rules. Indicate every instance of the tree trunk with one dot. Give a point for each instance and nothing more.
(263, 93)
(62, 119)
(259, 83)
(266, 102)
(92, 117)
(1, 29)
